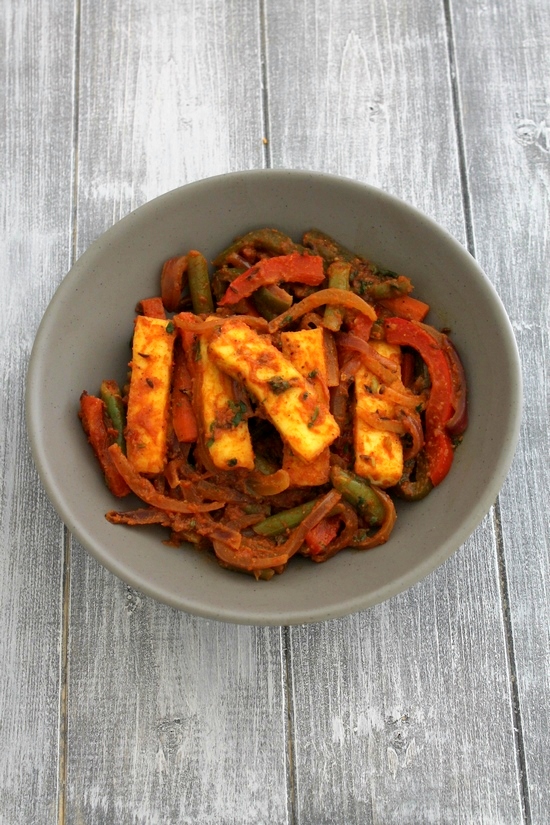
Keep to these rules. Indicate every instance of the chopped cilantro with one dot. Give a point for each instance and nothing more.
(239, 408)
(313, 418)
(170, 327)
(278, 385)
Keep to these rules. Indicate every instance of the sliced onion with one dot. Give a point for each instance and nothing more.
(384, 368)
(322, 509)
(388, 425)
(143, 488)
(458, 422)
(219, 492)
(401, 397)
(383, 533)
(413, 426)
(349, 516)
(258, 484)
(195, 323)
(323, 297)
(253, 555)
(218, 532)
(143, 515)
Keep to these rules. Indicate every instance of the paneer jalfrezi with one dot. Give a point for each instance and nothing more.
(278, 401)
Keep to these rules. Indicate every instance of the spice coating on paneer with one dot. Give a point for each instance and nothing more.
(288, 398)
(149, 397)
(378, 453)
(226, 430)
(305, 349)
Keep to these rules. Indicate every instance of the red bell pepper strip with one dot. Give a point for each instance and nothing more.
(320, 536)
(439, 409)
(304, 269)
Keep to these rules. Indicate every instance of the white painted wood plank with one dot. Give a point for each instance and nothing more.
(171, 719)
(390, 707)
(504, 79)
(402, 712)
(35, 243)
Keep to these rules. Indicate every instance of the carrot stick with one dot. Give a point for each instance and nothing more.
(406, 307)
(92, 415)
(152, 308)
(183, 416)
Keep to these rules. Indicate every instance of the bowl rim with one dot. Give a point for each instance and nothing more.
(218, 612)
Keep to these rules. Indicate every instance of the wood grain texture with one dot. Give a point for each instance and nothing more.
(171, 719)
(388, 707)
(504, 73)
(430, 708)
(35, 216)
(373, 102)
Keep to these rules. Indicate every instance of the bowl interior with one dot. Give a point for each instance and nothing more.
(84, 338)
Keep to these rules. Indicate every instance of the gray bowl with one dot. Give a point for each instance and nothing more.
(84, 337)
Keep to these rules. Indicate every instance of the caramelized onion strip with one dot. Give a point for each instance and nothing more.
(383, 533)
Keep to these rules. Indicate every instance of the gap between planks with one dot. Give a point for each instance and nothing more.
(63, 692)
(66, 585)
(501, 562)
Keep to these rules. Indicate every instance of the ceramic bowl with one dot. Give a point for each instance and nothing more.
(84, 337)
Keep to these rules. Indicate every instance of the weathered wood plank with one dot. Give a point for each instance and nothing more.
(35, 244)
(389, 706)
(503, 75)
(170, 718)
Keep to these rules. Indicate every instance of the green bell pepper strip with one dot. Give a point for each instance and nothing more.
(199, 283)
(438, 445)
(285, 520)
(270, 305)
(329, 249)
(269, 240)
(358, 492)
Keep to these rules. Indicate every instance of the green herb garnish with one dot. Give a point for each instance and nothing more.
(278, 385)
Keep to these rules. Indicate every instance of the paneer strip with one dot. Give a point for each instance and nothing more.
(305, 350)
(288, 398)
(378, 453)
(149, 396)
(226, 433)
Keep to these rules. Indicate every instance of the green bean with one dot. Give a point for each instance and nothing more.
(199, 283)
(285, 520)
(338, 278)
(358, 492)
(222, 278)
(389, 288)
(271, 241)
(329, 249)
(110, 395)
(268, 304)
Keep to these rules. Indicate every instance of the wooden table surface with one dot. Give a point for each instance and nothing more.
(433, 707)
